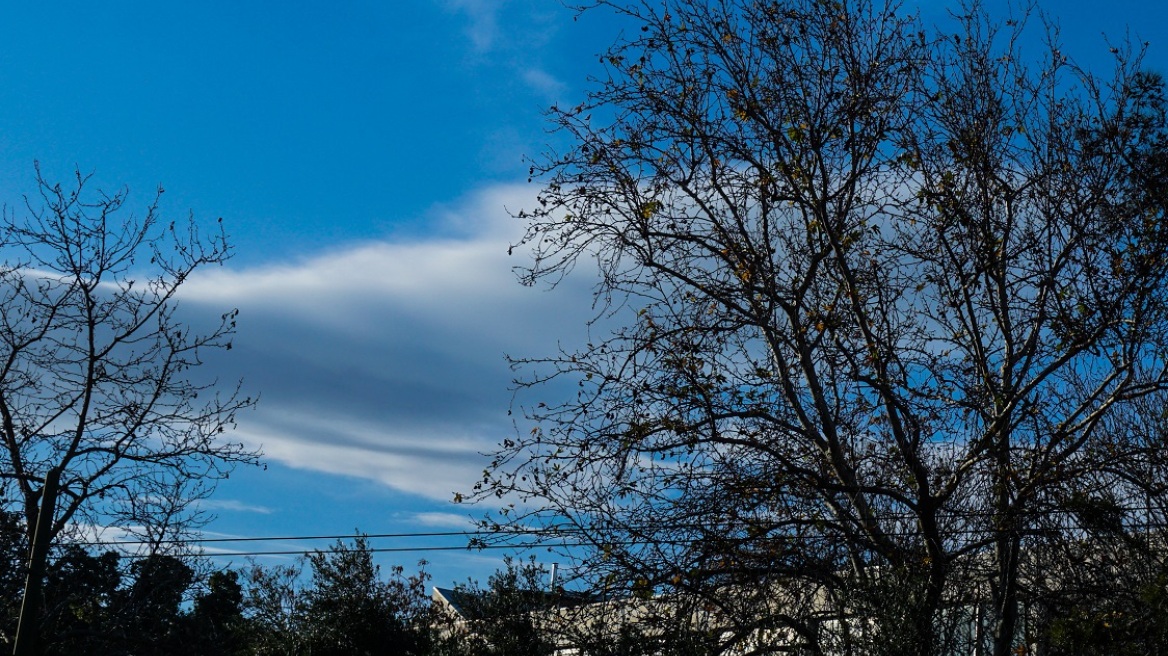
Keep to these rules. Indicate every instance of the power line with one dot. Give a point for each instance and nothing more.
(377, 550)
(342, 536)
(482, 539)
(561, 530)
(289, 538)
(334, 550)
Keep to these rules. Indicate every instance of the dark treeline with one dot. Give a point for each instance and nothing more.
(334, 601)
(338, 601)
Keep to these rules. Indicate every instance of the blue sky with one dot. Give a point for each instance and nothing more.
(363, 156)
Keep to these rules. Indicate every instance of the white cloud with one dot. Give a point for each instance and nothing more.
(444, 520)
(544, 83)
(233, 505)
(386, 361)
(482, 28)
(415, 459)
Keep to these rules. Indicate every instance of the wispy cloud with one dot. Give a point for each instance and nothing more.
(386, 361)
(233, 505)
(544, 83)
(444, 520)
(482, 21)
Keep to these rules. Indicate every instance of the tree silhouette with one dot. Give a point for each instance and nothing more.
(103, 417)
(886, 299)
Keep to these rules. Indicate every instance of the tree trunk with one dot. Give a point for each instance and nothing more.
(28, 627)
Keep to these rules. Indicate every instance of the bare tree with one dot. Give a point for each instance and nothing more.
(102, 415)
(883, 294)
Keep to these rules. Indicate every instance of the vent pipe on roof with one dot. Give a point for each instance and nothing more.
(552, 582)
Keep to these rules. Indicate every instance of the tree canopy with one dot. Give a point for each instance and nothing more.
(886, 320)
